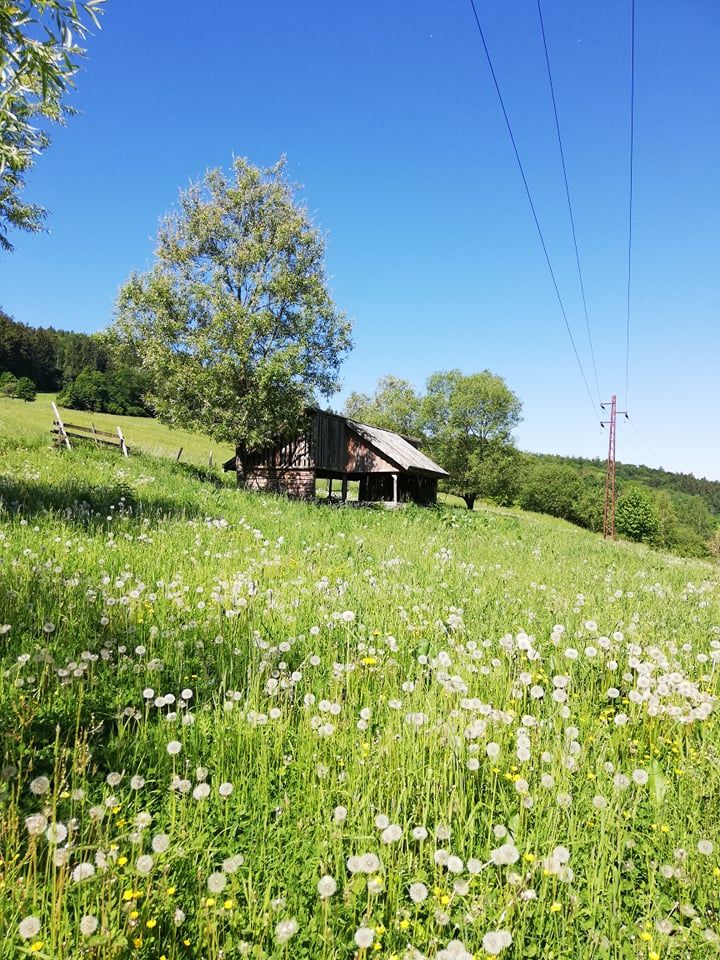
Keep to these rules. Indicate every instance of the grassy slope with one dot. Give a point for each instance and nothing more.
(121, 576)
(141, 433)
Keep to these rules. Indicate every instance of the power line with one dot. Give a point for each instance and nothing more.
(630, 205)
(532, 205)
(567, 194)
(644, 441)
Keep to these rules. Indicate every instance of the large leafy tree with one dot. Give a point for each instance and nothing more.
(234, 323)
(39, 56)
(468, 421)
(393, 406)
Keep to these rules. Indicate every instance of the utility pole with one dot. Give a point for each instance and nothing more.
(610, 493)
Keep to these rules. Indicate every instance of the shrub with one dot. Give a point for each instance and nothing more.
(637, 517)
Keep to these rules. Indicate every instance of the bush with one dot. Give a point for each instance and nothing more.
(552, 488)
(22, 388)
(636, 516)
(118, 391)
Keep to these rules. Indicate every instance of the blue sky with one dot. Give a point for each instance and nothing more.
(390, 123)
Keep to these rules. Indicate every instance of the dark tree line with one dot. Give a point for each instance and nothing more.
(85, 370)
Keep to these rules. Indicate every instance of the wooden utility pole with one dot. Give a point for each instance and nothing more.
(610, 490)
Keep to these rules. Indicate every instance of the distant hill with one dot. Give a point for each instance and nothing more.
(655, 477)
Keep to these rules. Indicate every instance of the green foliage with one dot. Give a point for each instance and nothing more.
(25, 390)
(394, 405)
(8, 382)
(120, 391)
(552, 488)
(468, 423)
(39, 59)
(21, 388)
(637, 517)
(51, 358)
(234, 323)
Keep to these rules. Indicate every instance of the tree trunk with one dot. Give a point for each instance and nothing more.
(469, 499)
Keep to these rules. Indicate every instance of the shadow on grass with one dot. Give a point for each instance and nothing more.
(89, 504)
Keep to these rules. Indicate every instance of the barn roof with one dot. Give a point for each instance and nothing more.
(397, 448)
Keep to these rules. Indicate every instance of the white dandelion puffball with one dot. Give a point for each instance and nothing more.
(137, 782)
(144, 864)
(201, 791)
(505, 855)
(39, 786)
(216, 882)
(369, 863)
(454, 864)
(232, 864)
(339, 814)
(495, 941)
(56, 833)
(419, 833)
(391, 834)
(225, 789)
(88, 925)
(418, 892)
(160, 842)
(640, 777)
(29, 927)
(83, 871)
(285, 930)
(705, 847)
(381, 821)
(364, 937)
(326, 887)
(493, 750)
(174, 748)
(36, 824)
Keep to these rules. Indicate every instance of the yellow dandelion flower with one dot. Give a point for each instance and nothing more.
(137, 942)
(34, 947)
(228, 904)
(210, 902)
(653, 955)
(170, 891)
(151, 923)
(404, 924)
(529, 857)
(646, 936)
(122, 861)
(555, 907)
(133, 914)
(444, 899)
(128, 895)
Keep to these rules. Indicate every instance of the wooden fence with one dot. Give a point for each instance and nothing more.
(65, 434)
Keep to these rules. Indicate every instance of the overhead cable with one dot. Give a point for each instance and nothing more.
(532, 206)
(567, 195)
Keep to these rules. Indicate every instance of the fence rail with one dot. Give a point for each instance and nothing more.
(63, 433)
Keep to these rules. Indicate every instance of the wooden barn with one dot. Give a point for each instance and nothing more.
(389, 467)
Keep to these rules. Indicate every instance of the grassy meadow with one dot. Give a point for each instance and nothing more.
(32, 422)
(234, 726)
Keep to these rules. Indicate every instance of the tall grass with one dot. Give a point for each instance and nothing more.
(494, 733)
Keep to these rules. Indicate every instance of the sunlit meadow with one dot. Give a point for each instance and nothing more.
(233, 726)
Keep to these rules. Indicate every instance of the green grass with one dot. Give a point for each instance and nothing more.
(396, 664)
(19, 419)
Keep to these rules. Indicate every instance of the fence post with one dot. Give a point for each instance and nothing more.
(179, 454)
(61, 426)
(210, 460)
(123, 445)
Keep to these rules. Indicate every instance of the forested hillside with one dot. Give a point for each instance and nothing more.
(83, 368)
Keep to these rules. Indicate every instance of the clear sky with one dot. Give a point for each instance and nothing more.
(390, 123)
